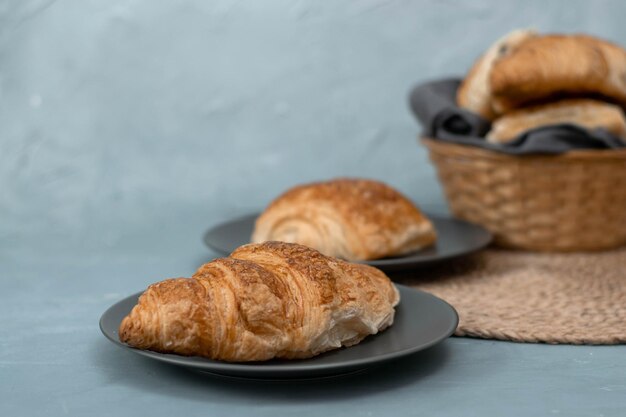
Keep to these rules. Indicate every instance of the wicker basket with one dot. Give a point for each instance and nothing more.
(569, 202)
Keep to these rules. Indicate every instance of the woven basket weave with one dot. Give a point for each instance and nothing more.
(570, 202)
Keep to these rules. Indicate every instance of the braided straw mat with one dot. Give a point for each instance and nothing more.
(533, 297)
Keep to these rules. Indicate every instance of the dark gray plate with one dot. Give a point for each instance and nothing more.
(422, 320)
(455, 238)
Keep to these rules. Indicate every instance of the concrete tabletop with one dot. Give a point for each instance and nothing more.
(129, 127)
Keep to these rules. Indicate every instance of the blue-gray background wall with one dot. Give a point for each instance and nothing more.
(126, 119)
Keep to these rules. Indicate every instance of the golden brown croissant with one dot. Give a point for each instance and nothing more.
(269, 300)
(353, 219)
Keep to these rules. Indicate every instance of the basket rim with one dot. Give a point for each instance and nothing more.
(468, 150)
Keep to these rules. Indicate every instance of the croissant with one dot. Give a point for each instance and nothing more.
(353, 219)
(269, 300)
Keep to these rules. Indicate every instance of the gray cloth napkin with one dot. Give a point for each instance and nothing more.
(434, 105)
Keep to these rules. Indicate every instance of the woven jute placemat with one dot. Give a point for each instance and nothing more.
(577, 298)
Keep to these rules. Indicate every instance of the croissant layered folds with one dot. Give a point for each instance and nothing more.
(269, 300)
(354, 219)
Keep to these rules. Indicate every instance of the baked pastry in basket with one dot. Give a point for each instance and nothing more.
(542, 67)
(587, 113)
(354, 219)
(525, 68)
(475, 92)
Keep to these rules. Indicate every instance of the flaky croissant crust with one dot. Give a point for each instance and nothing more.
(270, 300)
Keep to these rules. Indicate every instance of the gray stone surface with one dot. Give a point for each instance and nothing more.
(128, 127)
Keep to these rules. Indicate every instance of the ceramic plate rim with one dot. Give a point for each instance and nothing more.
(414, 259)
